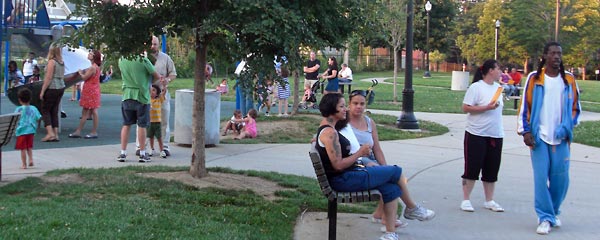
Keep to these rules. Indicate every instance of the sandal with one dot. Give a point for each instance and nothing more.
(50, 139)
(73, 135)
(91, 136)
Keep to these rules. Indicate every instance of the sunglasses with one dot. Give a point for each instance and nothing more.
(358, 92)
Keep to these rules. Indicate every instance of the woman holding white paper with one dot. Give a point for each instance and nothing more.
(483, 135)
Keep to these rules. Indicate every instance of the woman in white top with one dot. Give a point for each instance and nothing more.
(483, 135)
(364, 132)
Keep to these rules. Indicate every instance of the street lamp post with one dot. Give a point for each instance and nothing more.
(496, 41)
(407, 119)
(427, 74)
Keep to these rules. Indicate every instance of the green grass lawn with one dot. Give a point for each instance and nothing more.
(117, 203)
(431, 94)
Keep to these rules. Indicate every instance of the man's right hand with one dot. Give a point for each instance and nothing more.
(528, 140)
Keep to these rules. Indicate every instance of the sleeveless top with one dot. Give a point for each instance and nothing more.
(58, 77)
(364, 137)
(344, 143)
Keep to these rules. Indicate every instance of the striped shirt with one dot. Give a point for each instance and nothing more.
(155, 105)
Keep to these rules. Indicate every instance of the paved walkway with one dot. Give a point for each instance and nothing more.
(434, 166)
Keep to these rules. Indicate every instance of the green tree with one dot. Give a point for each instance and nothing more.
(252, 30)
(392, 18)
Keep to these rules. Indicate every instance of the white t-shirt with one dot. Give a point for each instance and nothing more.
(28, 67)
(348, 133)
(550, 112)
(346, 73)
(488, 123)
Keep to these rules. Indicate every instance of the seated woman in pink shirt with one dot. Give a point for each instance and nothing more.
(249, 130)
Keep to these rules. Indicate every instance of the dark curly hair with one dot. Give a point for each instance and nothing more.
(328, 104)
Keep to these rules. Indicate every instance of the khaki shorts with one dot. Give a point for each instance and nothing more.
(311, 81)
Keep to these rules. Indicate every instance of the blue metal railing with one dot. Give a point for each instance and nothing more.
(25, 14)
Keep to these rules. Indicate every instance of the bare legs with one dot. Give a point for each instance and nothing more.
(406, 198)
(24, 154)
(283, 103)
(141, 135)
(390, 210)
(488, 189)
(85, 114)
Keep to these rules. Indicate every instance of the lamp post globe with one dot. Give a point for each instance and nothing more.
(427, 74)
(496, 40)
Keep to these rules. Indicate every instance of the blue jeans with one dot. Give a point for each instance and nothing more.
(383, 178)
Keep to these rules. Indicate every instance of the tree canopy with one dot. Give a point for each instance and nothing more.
(247, 29)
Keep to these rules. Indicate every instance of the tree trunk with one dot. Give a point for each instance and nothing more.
(347, 53)
(198, 166)
(395, 73)
(295, 91)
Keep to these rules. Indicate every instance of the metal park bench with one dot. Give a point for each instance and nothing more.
(334, 197)
(8, 124)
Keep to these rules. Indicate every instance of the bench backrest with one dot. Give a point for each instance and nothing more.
(8, 124)
(315, 158)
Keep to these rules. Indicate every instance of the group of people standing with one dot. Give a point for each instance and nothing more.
(149, 111)
(549, 110)
(353, 159)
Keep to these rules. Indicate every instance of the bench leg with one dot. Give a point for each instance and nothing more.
(332, 215)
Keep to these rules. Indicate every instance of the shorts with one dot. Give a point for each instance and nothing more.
(135, 112)
(24, 142)
(311, 81)
(482, 154)
(333, 85)
(154, 130)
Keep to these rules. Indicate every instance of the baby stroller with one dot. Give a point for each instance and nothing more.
(312, 96)
(370, 94)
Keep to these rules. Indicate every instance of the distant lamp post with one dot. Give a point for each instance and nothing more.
(427, 74)
(496, 41)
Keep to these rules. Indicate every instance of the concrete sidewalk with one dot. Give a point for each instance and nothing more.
(433, 165)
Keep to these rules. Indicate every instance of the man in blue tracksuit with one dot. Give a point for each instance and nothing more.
(548, 113)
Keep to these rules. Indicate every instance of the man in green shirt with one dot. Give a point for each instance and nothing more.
(137, 76)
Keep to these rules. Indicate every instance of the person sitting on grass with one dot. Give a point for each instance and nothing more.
(234, 126)
(27, 126)
(154, 131)
(249, 130)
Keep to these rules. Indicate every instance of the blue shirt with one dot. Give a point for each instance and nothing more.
(28, 122)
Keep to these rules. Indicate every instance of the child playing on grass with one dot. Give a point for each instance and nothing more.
(154, 131)
(249, 130)
(27, 127)
(264, 92)
(233, 125)
(223, 88)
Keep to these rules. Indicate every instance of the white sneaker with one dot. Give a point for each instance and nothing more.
(557, 222)
(543, 228)
(389, 236)
(151, 153)
(420, 213)
(466, 206)
(163, 154)
(494, 206)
